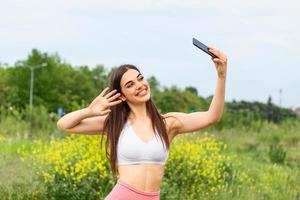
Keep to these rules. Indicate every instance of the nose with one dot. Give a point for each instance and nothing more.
(139, 85)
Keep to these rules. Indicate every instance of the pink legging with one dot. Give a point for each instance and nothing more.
(123, 191)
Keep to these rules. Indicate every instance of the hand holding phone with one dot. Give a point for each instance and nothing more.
(203, 47)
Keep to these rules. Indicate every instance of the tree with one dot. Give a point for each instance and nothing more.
(269, 102)
(154, 85)
(4, 87)
(192, 90)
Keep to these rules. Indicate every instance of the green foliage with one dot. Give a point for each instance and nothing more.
(252, 115)
(55, 85)
(197, 167)
(250, 150)
(25, 124)
(75, 167)
(277, 154)
(71, 168)
(192, 90)
(12, 123)
(4, 88)
(17, 180)
(260, 136)
(251, 174)
(154, 85)
(175, 99)
(61, 85)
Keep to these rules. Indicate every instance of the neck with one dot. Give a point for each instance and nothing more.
(138, 111)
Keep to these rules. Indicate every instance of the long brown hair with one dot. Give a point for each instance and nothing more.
(118, 116)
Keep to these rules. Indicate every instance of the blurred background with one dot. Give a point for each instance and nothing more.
(56, 57)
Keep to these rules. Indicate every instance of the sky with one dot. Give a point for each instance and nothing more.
(261, 39)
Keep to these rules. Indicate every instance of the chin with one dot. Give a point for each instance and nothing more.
(147, 97)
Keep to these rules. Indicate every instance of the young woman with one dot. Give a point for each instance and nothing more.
(138, 136)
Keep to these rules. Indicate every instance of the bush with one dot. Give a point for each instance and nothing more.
(197, 167)
(22, 124)
(277, 154)
(71, 168)
(76, 168)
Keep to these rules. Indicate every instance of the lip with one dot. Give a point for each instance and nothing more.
(141, 91)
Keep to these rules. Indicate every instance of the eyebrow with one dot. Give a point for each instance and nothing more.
(131, 80)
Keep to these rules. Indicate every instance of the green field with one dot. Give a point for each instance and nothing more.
(266, 164)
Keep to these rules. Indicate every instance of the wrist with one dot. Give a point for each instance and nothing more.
(222, 77)
(87, 112)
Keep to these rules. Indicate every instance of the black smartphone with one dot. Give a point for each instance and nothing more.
(203, 47)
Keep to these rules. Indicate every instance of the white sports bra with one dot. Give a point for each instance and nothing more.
(132, 150)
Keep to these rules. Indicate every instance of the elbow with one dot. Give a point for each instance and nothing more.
(215, 117)
(216, 120)
(59, 125)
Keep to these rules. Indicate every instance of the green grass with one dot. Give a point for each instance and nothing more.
(17, 179)
(261, 178)
(250, 151)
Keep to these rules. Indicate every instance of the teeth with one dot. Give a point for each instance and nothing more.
(142, 93)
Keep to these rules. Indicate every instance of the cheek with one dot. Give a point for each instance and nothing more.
(125, 92)
(146, 83)
(129, 92)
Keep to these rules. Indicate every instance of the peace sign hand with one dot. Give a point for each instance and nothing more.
(100, 105)
(220, 61)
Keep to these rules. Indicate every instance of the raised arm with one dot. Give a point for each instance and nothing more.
(82, 122)
(90, 120)
(190, 122)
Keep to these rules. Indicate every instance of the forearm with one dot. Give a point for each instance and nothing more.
(73, 118)
(217, 104)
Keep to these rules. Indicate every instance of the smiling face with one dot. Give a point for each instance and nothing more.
(134, 87)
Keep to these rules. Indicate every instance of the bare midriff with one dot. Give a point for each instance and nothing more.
(145, 177)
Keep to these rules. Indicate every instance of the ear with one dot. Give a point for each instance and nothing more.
(122, 98)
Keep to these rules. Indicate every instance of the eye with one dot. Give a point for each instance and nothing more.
(141, 77)
(129, 85)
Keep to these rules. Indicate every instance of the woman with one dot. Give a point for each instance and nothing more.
(138, 136)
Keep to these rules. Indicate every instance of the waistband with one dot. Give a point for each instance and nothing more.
(137, 190)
